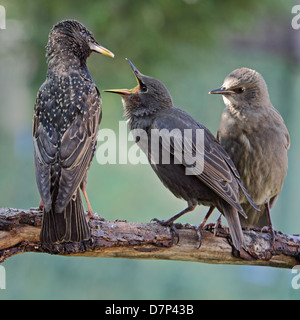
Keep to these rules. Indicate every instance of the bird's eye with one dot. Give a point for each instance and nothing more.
(239, 90)
(143, 87)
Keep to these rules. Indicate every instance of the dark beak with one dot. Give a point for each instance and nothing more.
(135, 70)
(221, 90)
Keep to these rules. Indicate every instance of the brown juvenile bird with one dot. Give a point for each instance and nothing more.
(67, 114)
(254, 134)
(213, 179)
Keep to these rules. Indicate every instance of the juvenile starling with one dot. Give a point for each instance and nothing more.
(149, 109)
(254, 134)
(67, 115)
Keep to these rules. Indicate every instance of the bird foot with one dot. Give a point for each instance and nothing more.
(210, 227)
(90, 215)
(199, 234)
(218, 228)
(214, 227)
(269, 229)
(170, 224)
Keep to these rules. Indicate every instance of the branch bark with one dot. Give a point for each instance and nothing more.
(20, 230)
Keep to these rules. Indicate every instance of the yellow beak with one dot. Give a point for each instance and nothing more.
(125, 91)
(99, 49)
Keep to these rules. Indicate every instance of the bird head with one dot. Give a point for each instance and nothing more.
(149, 96)
(72, 37)
(244, 88)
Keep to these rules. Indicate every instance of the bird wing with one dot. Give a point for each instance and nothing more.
(283, 127)
(77, 148)
(208, 161)
(62, 159)
(45, 150)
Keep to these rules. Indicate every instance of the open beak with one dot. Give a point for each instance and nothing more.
(124, 92)
(127, 92)
(221, 90)
(99, 49)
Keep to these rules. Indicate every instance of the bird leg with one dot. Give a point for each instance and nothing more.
(90, 210)
(210, 211)
(215, 226)
(270, 227)
(41, 205)
(201, 226)
(170, 222)
(218, 224)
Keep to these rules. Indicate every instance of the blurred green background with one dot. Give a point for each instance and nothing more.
(190, 45)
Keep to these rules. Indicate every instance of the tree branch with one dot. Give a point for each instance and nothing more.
(20, 231)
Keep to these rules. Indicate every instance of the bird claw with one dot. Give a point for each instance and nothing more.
(166, 223)
(218, 225)
(199, 234)
(270, 230)
(90, 215)
(95, 215)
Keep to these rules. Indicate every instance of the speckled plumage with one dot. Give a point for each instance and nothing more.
(66, 118)
(254, 134)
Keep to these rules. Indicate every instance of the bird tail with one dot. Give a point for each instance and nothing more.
(69, 225)
(234, 224)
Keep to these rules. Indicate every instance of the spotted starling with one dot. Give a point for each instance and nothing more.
(254, 134)
(67, 115)
(213, 180)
